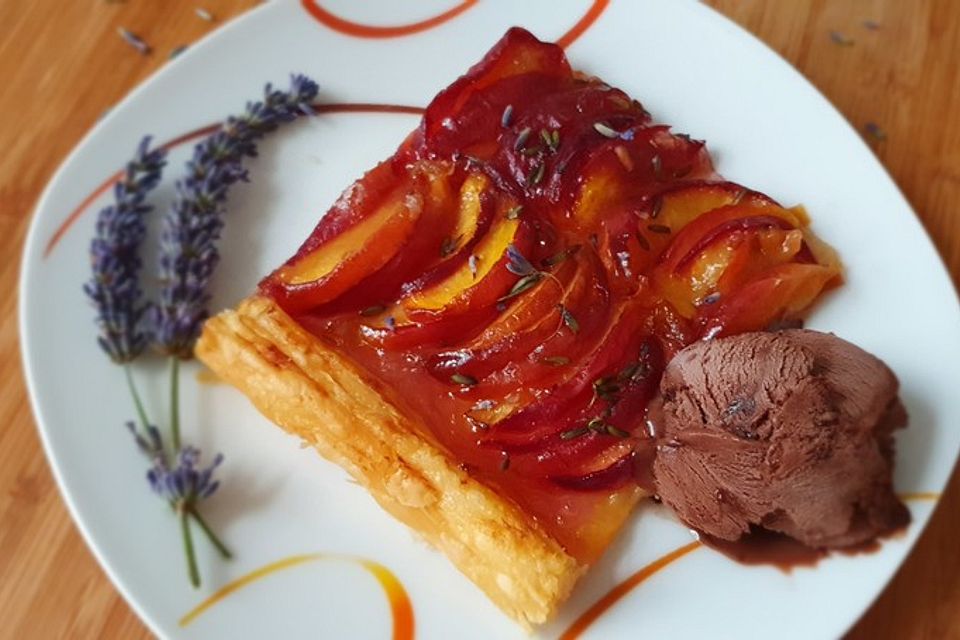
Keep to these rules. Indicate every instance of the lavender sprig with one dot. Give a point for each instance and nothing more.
(182, 485)
(192, 226)
(188, 257)
(114, 288)
(518, 265)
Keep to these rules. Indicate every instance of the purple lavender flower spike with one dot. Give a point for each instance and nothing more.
(191, 228)
(114, 288)
(184, 484)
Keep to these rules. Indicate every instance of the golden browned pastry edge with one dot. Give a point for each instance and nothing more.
(313, 392)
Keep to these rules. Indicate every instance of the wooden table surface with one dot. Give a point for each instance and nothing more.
(62, 65)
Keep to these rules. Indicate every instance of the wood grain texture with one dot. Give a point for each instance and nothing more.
(62, 64)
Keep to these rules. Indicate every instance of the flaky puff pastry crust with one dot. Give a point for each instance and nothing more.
(315, 393)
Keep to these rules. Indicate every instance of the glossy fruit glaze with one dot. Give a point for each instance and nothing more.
(522, 268)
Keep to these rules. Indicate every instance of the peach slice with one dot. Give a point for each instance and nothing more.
(781, 293)
(699, 256)
(636, 163)
(601, 190)
(541, 355)
(630, 243)
(478, 280)
(526, 311)
(468, 212)
(678, 207)
(321, 275)
(757, 253)
(423, 250)
(530, 317)
(517, 53)
(718, 225)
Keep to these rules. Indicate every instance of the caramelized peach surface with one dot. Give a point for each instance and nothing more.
(522, 268)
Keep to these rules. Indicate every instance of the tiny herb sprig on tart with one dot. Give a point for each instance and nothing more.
(607, 389)
(518, 265)
(188, 257)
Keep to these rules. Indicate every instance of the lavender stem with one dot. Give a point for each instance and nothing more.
(188, 548)
(214, 540)
(136, 397)
(175, 402)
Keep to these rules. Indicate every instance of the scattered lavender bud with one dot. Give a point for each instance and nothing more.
(517, 264)
(604, 129)
(569, 319)
(507, 116)
(874, 131)
(839, 38)
(472, 263)
(521, 139)
(134, 40)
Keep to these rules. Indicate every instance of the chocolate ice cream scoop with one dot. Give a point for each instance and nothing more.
(790, 431)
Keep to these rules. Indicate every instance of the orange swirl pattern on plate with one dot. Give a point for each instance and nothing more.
(613, 596)
(360, 30)
(583, 23)
(400, 607)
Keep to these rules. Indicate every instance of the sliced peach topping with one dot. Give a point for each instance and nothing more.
(727, 245)
(468, 212)
(680, 206)
(601, 190)
(781, 293)
(334, 267)
(476, 275)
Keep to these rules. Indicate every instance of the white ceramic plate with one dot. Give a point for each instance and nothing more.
(766, 126)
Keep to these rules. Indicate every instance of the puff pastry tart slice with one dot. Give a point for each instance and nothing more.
(487, 312)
